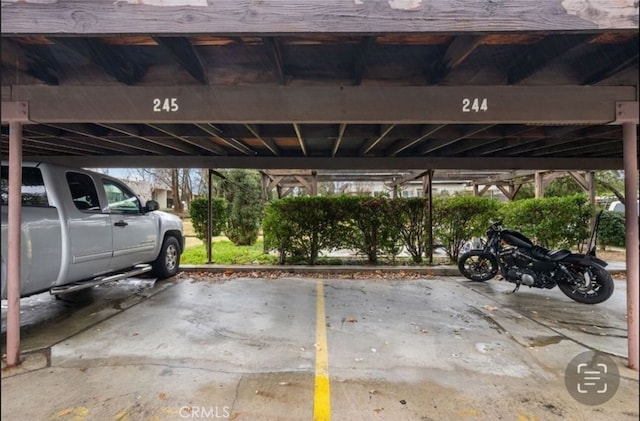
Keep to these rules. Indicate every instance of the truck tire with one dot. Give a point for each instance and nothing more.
(168, 262)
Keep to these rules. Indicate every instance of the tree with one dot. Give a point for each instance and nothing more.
(243, 191)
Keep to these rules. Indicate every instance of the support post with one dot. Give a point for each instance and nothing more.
(632, 242)
(13, 242)
(209, 217)
(427, 186)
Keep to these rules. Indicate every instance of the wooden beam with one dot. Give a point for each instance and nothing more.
(125, 145)
(269, 143)
(133, 132)
(371, 143)
(204, 144)
(328, 163)
(542, 53)
(275, 53)
(186, 55)
(36, 61)
(459, 49)
(618, 58)
(115, 62)
(323, 104)
(336, 145)
(360, 62)
(401, 146)
(299, 16)
(441, 143)
(296, 127)
(234, 143)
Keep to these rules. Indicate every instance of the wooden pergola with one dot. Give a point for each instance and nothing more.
(331, 85)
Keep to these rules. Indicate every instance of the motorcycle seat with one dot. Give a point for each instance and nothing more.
(558, 255)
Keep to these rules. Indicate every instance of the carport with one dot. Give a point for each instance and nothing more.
(544, 85)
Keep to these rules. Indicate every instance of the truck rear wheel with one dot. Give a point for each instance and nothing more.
(168, 262)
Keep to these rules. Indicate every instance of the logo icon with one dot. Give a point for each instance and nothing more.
(592, 378)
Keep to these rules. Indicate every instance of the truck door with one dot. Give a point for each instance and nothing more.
(134, 233)
(89, 229)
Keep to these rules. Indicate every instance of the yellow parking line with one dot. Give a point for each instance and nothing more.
(322, 394)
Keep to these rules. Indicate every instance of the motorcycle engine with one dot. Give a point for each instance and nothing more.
(514, 257)
(521, 269)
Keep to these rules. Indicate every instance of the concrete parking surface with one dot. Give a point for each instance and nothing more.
(245, 348)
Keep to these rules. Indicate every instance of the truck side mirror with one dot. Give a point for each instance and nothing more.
(151, 206)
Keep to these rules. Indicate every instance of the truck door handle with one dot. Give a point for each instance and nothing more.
(121, 224)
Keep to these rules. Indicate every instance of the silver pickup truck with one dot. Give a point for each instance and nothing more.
(82, 228)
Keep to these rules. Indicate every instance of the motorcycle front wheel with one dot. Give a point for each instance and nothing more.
(478, 265)
(590, 284)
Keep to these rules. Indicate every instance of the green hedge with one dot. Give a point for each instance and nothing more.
(300, 227)
(611, 231)
(458, 219)
(198, 213)
(551, 222)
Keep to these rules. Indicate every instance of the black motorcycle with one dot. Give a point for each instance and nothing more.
(581, 277)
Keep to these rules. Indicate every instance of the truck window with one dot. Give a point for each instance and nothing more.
(120, 198)
(33, 191)
(83, 191)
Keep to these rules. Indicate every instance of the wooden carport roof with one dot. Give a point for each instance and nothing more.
(373, 84)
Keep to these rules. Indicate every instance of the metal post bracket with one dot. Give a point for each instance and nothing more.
(15, 111)
(626, 112)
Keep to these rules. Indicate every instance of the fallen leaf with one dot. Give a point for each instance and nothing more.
(489, 307)
(349, 320)
(162, 395)
(378, 410)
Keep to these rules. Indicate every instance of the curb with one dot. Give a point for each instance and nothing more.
(440, 270)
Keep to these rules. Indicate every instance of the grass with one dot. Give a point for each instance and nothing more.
(224, 252)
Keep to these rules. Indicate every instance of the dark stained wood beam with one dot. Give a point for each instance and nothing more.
(130, 146)
(434, 145)
(173, 131)
(401, 146)
(36, 61)
(269, 143)
(607, 61)
(327, 163)
(336, 144)
(541, 53)
(371, 143)
(64, 139)
(298, 16)
(113, 61)
(232, 142)
(457, 51)
(185, 54)
(360, 61)
(550, 105)
(473, 144)
(274, 49)
(133, 131)
(303, 147)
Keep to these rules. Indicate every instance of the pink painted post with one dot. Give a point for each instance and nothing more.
(13, 252)
(632, 243)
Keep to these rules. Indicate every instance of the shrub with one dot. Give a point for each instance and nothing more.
(551, 222)
(611, 231)
(459, 218)
(415, 226)
(302, 226)
(243, 191)
(199, 214)
(378, 224)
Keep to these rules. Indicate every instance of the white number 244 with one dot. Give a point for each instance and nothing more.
(474, 105)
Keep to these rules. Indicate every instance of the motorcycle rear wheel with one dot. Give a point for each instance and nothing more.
(598, 289)
(478, 265)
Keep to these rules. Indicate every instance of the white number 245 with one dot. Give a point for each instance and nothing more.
(167, 105)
